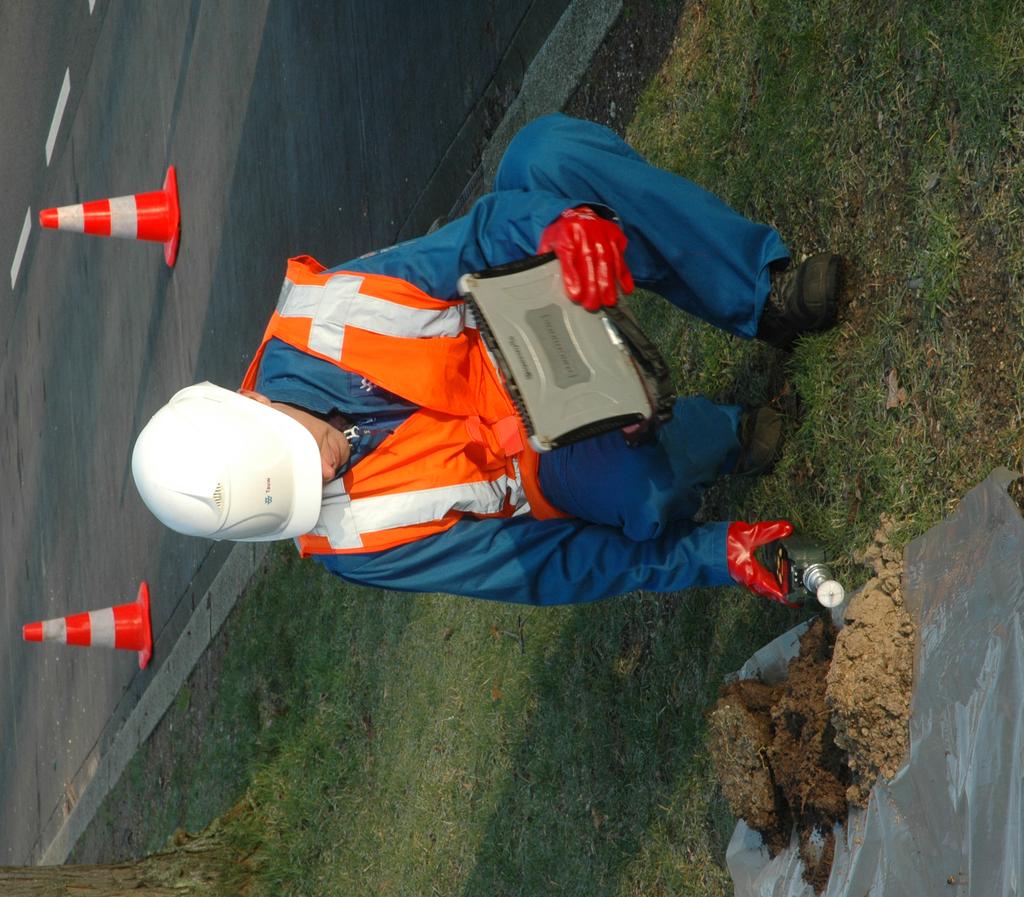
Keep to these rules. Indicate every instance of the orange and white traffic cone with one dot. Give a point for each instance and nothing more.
(141, 216)
(124, 626)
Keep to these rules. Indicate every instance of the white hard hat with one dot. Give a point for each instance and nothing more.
(217, 464)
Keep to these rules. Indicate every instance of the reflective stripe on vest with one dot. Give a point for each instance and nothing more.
(462, 452)
(344, 521)
(338, 304)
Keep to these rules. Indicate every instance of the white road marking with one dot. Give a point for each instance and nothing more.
(92, 5)
(58, 114)
(22, 242)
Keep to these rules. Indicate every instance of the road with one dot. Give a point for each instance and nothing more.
(324, 128)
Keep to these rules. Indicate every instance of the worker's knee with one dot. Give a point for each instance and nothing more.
(518, 169)
(563, 155)
(642, 524)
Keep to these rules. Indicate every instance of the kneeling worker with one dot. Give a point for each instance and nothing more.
(373, 428)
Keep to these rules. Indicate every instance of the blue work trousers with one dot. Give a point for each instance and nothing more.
(686, 245)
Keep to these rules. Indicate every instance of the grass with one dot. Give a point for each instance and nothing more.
(891, 132)
(427, 745)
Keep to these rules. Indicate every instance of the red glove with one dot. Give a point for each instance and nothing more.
(741, 542)
(590, 249)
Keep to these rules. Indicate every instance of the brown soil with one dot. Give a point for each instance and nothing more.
(800, 752)
(807, 765)
(775, 754)
(741, 735)
(872, 672)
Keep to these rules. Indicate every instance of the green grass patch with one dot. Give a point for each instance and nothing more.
(507, 750)
(427, 745)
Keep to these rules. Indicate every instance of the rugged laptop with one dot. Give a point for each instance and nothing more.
(572, 373)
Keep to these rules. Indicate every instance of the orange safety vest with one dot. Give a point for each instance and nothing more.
(463, 452)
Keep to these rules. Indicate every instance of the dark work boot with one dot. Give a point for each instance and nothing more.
(760, 434)
(804, 299)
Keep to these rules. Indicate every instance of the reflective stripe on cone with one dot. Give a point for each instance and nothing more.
(125, 626)
(152, 216)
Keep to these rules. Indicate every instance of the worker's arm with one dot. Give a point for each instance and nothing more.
(543, 562)
(500, 228)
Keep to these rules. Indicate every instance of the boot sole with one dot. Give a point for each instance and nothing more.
(816, 292)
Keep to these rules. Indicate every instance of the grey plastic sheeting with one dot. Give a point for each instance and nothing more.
(950, 821)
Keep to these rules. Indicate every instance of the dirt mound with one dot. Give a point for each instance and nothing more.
(808, 766)
(801, 751)
(775, 754)
(741, 735)
(872, 672)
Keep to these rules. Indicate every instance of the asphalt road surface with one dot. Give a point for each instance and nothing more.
(316, 127)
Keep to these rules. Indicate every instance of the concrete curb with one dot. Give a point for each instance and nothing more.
(548, 82)
(554, 74)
